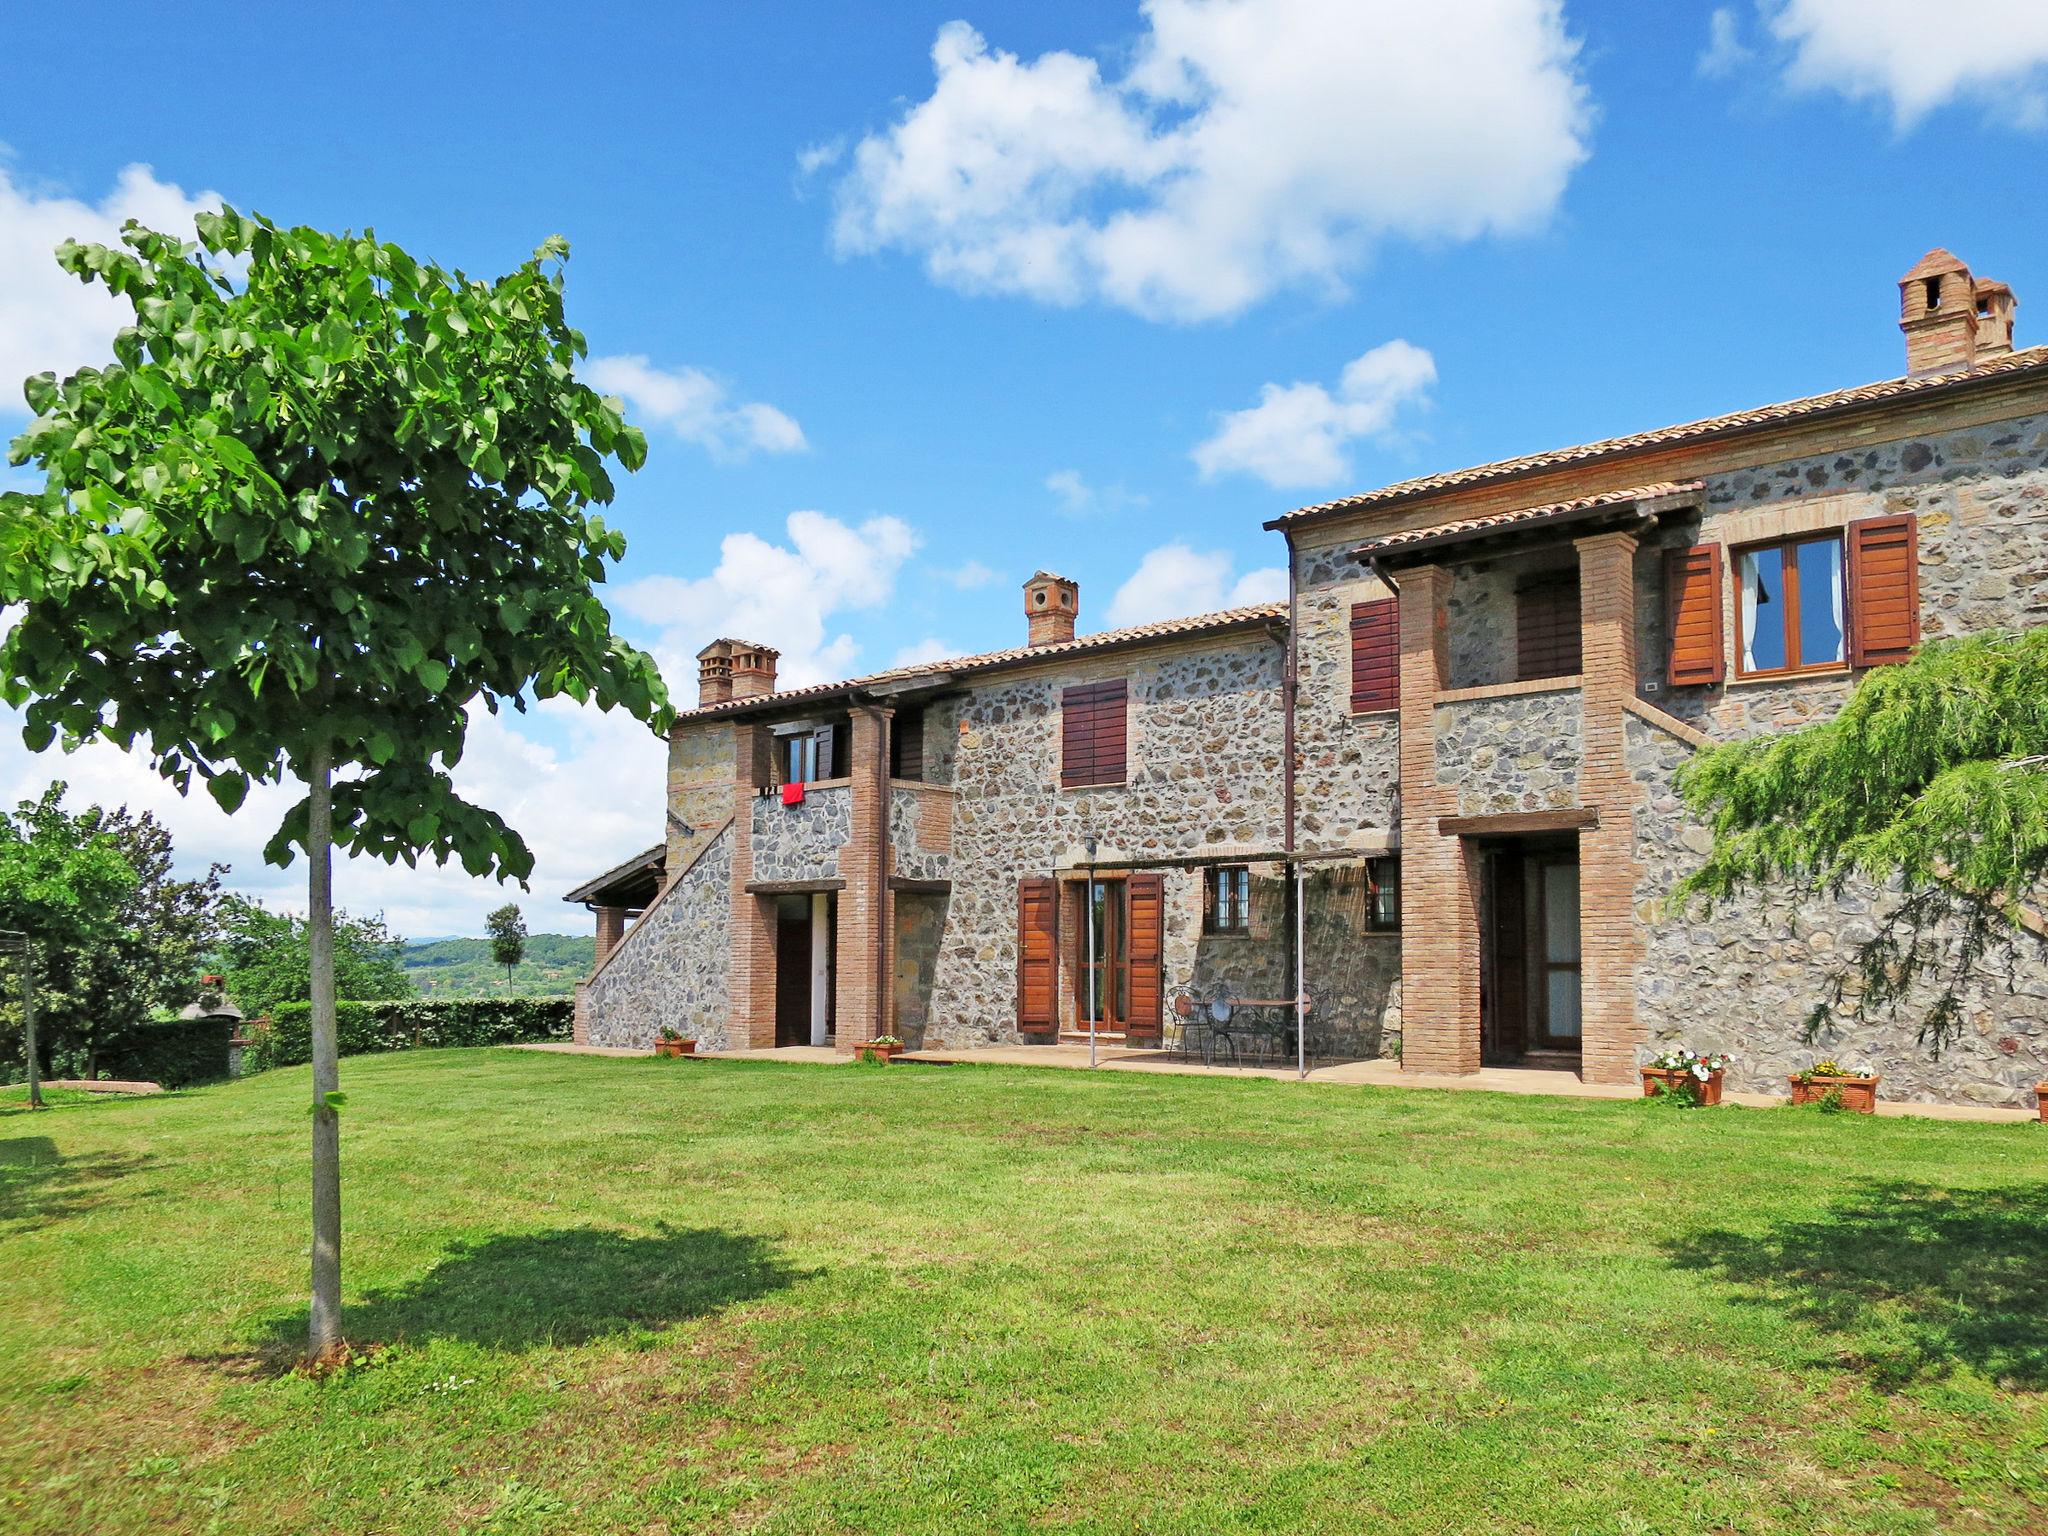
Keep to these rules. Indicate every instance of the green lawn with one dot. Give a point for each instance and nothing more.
(698, 1296)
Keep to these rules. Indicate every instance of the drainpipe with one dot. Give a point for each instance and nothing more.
(1293, 866)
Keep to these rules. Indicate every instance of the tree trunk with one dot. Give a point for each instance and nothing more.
(324, 1333)
(28, 1023)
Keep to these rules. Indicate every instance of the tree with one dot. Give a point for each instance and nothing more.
(62, 880)
(1932, 779)
(266, 958)
(95, 986)
(326, 500)
(508, 938)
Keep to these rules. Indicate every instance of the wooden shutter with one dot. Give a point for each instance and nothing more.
(906, 744)
(1093, 733)
(1038, 950)
(1144, 953)
(1547, 628)
(1884, 589)
(1692, 584)
(828, 752)
(1375, 655)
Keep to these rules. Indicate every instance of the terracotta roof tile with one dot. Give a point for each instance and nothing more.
(2029, 360)
(652, 859)
(1081, 645)
(1556, 511)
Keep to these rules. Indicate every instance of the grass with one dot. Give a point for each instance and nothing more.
(641, 1296)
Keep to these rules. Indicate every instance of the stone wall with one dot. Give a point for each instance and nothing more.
(671, 969)
(1742, 978)
(801, 842)
(917, 850)
(1204, 774)
(1480, 615)
(700, 779)
(1348, 766)
(1519, 752)
(920, 929)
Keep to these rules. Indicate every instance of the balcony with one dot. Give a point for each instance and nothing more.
(1511, 747)
(802, 842)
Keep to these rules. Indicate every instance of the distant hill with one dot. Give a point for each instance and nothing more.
(554, 963)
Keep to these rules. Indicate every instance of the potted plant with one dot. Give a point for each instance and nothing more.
(1825, 1082)
(1682, 1071)
(878, 1050)
(673, 1043)
(2041, 1099)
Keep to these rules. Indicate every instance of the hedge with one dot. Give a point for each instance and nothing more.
(174, 1052)
(402, 1025)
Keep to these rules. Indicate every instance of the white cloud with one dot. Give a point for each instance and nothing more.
(775, 594)
(1077, 498)
(919, 652)
(49, 320)
(1297, 433)
(1914, 58)
(814, 158)
(1251, 145)
(968, 575)
(697, 408)
(581, 786)
(1725, 52)
(1174, 581)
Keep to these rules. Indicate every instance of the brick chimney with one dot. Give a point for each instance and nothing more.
(753, 669)
(714, 673)
(1051, 604)
(1951, 319)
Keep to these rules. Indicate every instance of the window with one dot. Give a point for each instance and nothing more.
(1093, 733)
(906, 744)
(1375, 656)
(1228, 908)
(1383, 896)
(1789, 606)
(808, 754)
(1547, 627)
(800, 763)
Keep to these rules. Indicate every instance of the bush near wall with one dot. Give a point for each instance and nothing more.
(174, 1052)
(409, 1023)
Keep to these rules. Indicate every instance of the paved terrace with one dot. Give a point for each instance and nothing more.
(1376, 1074)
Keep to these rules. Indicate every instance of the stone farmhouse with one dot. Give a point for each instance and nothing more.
(1437, 779)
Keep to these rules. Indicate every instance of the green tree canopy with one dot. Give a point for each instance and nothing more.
(327, 501)
(507, 929)
(1931, 780)
(266, 958)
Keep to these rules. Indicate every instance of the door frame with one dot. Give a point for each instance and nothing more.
(1115, 939)
(1514, 969)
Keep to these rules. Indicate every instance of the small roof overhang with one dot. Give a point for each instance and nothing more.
(1413, 546)
(632, 885)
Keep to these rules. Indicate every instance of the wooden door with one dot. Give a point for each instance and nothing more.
(1505, 1004)
(1144, 955)
(793, 972)
(1104, 982)
(1553, 884)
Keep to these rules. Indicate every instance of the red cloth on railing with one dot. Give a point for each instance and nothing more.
(792, 794)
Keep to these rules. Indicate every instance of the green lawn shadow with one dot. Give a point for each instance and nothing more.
(536, 1290)
(40, 1185)
(1917, 1279)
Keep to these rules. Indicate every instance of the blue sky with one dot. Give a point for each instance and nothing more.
(915, 298)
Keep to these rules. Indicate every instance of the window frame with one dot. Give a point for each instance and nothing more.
(1228, 916)
(1789, 568)
(1382, 874)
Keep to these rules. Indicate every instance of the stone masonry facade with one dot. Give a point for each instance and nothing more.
(1461, 770)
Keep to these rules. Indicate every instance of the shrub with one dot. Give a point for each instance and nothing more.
(407, 1023)
(174, 1052)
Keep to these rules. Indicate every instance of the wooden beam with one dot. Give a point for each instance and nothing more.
(792, 887)
(912, 887)
(1516, 823)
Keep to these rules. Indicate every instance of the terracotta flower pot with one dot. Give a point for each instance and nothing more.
(1658, 1080)
(1858, 1093)
(675, 1047)
(868, 1050)
(2041, 1099)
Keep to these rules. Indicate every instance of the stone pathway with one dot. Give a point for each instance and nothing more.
(1377, 1074)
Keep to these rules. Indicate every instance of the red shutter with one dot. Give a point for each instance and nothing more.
(1884, 589)
(1038, 949)
(1375, 656)
(1692, 584)
(1145, 953)
(1547, 628)
(1093, 733)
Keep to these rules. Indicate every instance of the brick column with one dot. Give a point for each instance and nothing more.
(1610, 938)
(1439, 875)
(864, 905)
(611, 927)
(750, 980)
(579, 1031)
